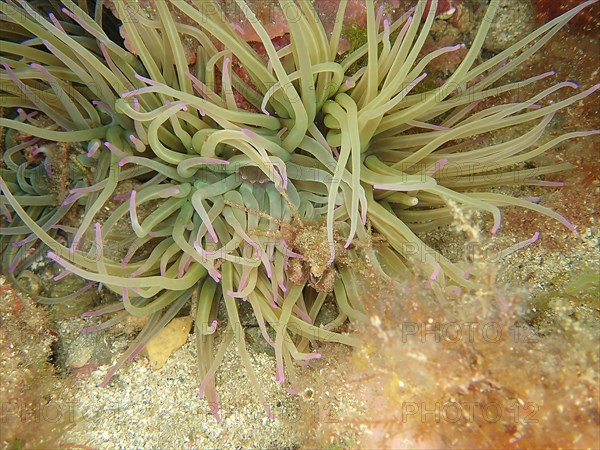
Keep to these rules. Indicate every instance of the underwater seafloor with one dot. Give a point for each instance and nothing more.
(514, 366)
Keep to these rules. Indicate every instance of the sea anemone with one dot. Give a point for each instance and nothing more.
(321, 179)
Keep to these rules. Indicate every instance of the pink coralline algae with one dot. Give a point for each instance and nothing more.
(272, 17)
